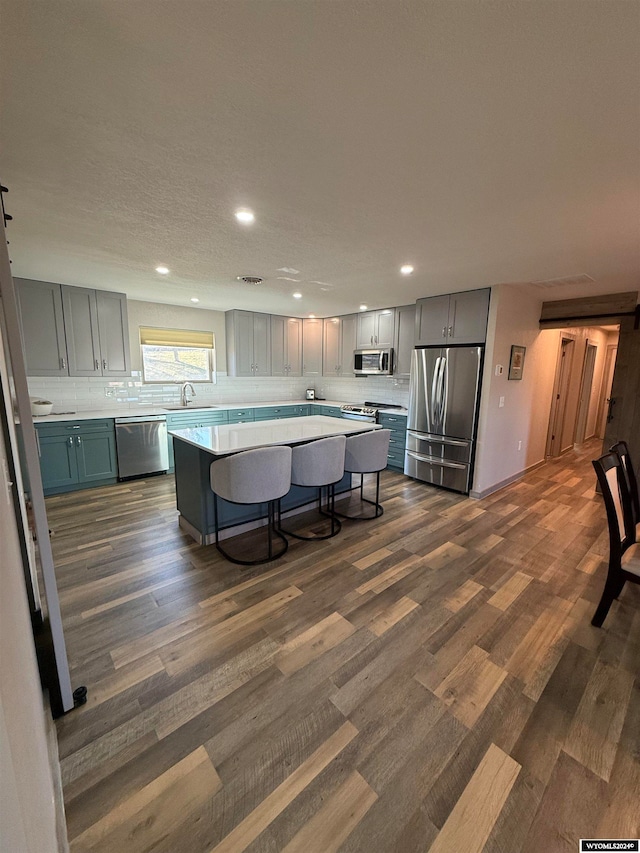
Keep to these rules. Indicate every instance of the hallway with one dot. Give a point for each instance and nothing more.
(428, 681)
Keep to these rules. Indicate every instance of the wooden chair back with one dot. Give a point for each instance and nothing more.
(621, 449)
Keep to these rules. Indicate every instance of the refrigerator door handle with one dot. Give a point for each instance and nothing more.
(433, 399)
(438, 438)
(443, 392)
(433, 460)
(437, 391)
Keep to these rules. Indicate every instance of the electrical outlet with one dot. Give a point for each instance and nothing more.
(499, 370)
(501, 403)
(109, 392)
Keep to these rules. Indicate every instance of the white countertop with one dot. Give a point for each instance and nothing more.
(120, 412)
(231, 438)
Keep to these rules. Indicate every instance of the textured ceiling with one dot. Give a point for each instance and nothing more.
(481, 142)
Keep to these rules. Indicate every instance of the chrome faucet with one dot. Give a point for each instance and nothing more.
(184, 399)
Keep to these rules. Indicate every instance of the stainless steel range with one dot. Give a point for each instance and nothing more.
(359, 413)
(365, 412)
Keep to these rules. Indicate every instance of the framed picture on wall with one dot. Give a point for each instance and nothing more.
(516, 364)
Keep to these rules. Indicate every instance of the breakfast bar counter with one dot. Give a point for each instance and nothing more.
(197, 448)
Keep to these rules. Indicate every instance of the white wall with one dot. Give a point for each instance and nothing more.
(514, 319)
(174, 317)
(27, 801)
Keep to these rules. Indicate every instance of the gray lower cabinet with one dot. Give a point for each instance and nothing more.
(248, 336)
(76, 455)
(73, 331)
(397, 442)
(286, 346)
(404, 340)
(312, 347)
(456, 318)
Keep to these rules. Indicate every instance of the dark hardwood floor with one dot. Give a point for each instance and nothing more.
(427, 681)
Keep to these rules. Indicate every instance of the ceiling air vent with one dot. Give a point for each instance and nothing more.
(568, 280)
(250, 279)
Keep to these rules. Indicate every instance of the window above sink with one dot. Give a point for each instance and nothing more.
(176, 355)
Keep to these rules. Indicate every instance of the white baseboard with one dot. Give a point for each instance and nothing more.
(507, 482)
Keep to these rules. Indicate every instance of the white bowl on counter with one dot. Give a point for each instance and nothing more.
(41, 407)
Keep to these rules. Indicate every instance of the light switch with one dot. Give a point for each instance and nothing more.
(501, 403)
(499, 370)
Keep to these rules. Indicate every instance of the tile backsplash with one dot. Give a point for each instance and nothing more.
(82, 394)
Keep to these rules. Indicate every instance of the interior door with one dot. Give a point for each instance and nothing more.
(585, 392)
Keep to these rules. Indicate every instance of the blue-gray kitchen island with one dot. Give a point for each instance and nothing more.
(197, 448)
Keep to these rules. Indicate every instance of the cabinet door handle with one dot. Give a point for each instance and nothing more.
(450, 331)
(63, 363)
(371, 338)
(78, 440)
(104, 363)
(70, 441)
(97, 364)
(444, 331)
(38, 443)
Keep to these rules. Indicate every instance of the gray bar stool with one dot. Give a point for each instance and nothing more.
(367, 454)
(253, 477)
(319, 463)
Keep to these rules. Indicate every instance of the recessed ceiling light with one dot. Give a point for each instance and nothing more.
(162, 270)
(195, 299)
(297, 295)
(246, 217)
(363, 307)
(406, 269)
(312, 316)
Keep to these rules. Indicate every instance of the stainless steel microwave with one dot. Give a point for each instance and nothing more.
(373, 361)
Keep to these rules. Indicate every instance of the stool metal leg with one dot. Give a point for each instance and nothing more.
(272, 530)
(379, 509)
(336, 524)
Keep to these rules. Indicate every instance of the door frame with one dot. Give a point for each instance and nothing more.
(586, 387)
(566, 347)
(608, 370)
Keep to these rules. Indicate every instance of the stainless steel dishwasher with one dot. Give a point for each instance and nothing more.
(141, 444)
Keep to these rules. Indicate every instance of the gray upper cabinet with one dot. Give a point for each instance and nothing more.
(42, 326)
(376, 328)
(248, 343)
(404, 340)
(457, 318)
(73, 331)
(339, 344)
(97, 332)
(113, 328)
(312, 347)
(432, 320)
(286, 346)
(81, 326)
(348, 337)
(331, 348)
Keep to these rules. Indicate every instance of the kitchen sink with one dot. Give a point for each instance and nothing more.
(188, 408)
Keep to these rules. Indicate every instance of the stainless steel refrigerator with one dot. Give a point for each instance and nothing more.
(443, 412)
